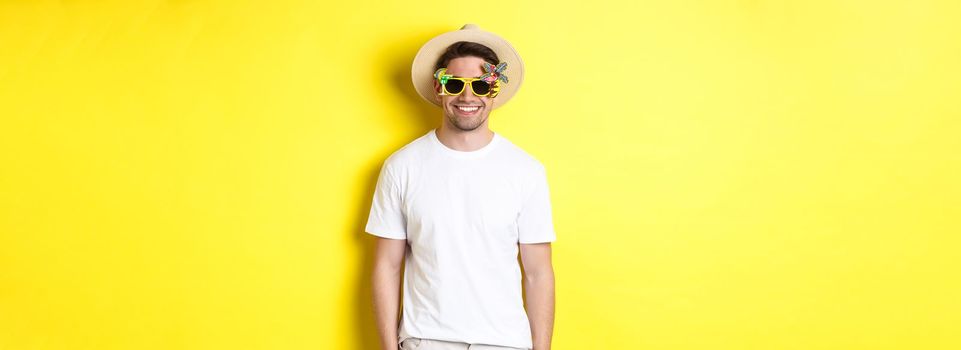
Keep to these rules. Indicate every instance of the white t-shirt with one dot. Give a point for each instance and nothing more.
(463, 215)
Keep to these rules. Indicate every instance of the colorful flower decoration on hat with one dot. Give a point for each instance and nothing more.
(494, 73)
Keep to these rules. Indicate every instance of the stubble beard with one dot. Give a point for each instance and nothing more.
(469, 124)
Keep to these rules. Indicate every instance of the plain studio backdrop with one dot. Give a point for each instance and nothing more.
(724, 174)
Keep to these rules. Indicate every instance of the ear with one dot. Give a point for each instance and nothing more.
(437, 91)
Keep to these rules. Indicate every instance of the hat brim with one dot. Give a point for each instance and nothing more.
(422, 69)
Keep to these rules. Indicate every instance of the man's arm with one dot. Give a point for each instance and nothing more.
(539, 289)
(388, 265)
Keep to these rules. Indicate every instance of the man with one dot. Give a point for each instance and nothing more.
(456, 205)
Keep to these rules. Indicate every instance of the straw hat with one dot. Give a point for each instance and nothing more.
(422, 70)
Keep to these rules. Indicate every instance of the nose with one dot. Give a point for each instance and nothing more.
(468, 96)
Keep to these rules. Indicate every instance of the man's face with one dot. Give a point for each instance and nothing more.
(465, 111)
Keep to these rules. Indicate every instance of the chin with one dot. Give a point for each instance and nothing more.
(467, 124)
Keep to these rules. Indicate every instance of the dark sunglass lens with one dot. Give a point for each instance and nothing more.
(454, 86)
(480, 87)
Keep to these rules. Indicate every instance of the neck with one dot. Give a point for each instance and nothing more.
(465, 141)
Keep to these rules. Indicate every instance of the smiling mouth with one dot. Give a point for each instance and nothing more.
(468, 110)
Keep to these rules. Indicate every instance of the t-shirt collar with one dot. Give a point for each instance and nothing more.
(432, 135)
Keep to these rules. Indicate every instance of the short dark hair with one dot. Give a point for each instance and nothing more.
(464, 49)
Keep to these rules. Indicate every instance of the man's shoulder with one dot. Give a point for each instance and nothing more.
(407, 153)
(520, 158)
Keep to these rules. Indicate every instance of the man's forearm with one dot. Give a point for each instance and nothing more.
(540, 307)
(386, 291)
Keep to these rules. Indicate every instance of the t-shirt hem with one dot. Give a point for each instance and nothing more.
(546, 239)
(386, 234)
(535, 242)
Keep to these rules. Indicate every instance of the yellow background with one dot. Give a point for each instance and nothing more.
(725, 175)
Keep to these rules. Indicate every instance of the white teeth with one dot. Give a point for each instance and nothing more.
(468, 109)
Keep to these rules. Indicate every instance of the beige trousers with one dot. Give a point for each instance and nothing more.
(431, 344)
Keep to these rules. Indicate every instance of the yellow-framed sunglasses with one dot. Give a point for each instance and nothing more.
(453, 86)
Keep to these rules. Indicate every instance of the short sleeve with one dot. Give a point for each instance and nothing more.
(387, 217)
(535, 222)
